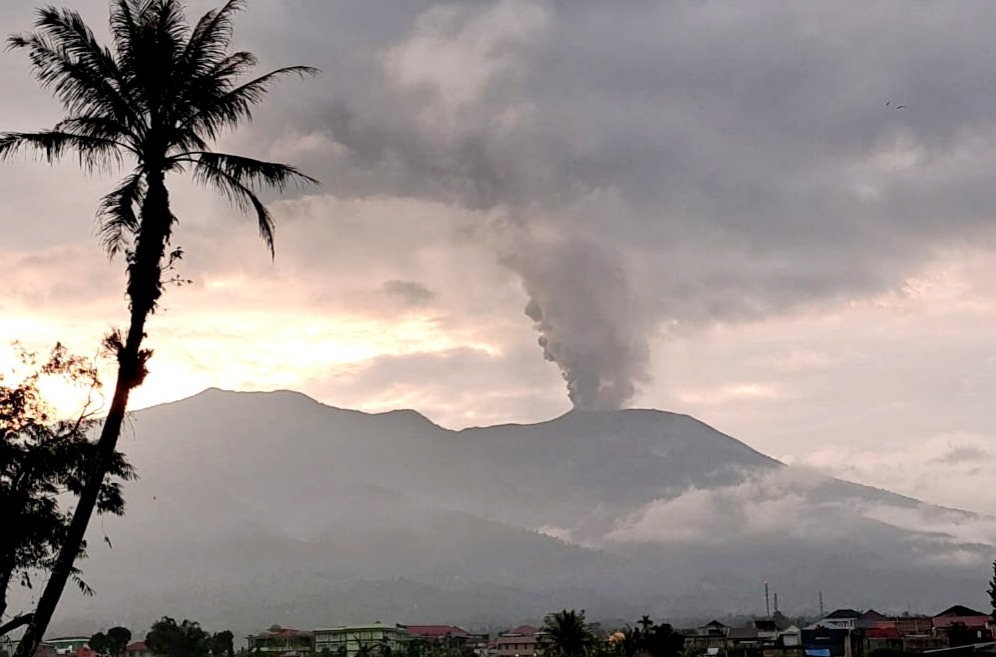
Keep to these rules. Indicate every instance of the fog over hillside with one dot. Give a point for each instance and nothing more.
(262, 508)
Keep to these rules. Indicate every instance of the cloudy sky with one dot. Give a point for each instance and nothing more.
(709, 207)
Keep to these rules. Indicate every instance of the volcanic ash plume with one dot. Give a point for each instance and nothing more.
(588, 320)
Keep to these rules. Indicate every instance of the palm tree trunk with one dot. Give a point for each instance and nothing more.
(144, 289)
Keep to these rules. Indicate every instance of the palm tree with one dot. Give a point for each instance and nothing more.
(567, 634)
(154, 101)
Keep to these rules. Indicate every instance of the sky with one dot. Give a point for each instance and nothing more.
(709, 208)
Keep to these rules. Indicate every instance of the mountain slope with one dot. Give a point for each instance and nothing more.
(254, 508)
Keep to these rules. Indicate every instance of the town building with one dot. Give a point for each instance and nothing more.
(68, 645)
(962, 625)
(522, 641)
(790, 637)
(347, 640)
(282, 641)
(711, 635)
(437, 632)
(137, 649)
(822, 641)
(840, 619)
(759, 632)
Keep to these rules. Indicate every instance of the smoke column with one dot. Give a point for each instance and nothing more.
(589, 323)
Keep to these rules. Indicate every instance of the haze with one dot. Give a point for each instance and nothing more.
(706, 208)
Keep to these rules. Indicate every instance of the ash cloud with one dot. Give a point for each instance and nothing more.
(743, 151)
(589, 321)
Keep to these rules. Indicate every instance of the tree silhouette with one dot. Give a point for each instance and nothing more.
(992, 592)
(662, 641)
(567, 634)
(155, 100)
(222, 644)
(42, 461)
(649, 640)
(118, 639)
(167, 638)
(98, 643)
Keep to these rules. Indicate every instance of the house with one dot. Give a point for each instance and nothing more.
(963, 618)
(821, 641)
(711, 635)
(137, 649)
(713, 629)
(841, 619)
(438, 632)
(871, 618)
(68, 645)
(790, 637)
(449, 634)
(757, 632)
(522, 641)
(883, 635)
(914, 625)
(282, 641)
(346, 640)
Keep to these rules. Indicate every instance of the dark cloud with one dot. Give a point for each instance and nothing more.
(409, 293)
(735, 163)
(745, 160)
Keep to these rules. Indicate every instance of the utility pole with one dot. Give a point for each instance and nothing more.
(767, 604)
(822, 612)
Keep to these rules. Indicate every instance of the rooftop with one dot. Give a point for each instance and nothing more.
(356, 628)
(522, 630)
(960, 610)
(434, 631)
(281, 632)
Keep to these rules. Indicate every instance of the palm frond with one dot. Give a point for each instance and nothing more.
(152, 38)
(253, 173)
(232, 107)
(80, 86)
(100, 127)
(52, 145)
(210, 174)
(67, 29)
(124, 31)
(116, 216)
(211, 37)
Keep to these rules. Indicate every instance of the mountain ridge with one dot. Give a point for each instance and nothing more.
(307, 511)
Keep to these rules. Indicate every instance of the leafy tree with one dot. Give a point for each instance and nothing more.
(155, 100)
(649, 639)
(42, 460)
(662, 641)
(992, 592)
(118, 639)
(167, 638)
(222, 644)
(98, 643)
(568, 635)
(630, 644)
